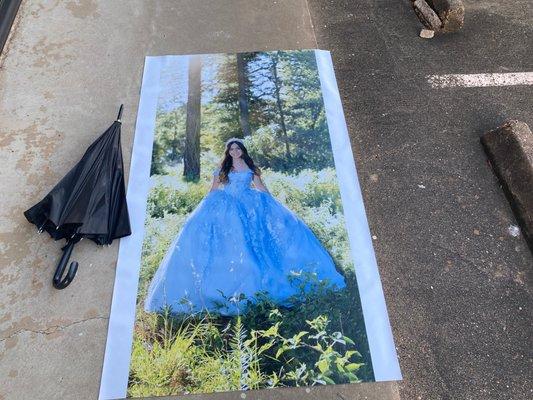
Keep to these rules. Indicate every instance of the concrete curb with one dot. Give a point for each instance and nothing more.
(510, 151)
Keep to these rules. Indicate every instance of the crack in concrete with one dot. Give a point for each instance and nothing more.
(51, 329)
(311, 23)
(459, 255)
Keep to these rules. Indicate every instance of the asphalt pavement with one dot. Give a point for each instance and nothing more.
(456, 281)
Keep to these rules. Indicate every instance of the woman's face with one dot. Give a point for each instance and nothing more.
(235, 151)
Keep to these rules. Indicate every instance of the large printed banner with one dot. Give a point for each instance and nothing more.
(251, 264)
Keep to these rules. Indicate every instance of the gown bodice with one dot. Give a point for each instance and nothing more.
(238, 182)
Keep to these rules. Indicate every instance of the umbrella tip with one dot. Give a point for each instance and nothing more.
(119, 117)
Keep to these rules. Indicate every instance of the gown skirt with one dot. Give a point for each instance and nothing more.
(237, 242)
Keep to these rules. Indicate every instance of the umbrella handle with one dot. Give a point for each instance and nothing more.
(73, 268)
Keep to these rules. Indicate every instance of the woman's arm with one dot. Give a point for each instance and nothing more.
(215, 184)
(258, 183)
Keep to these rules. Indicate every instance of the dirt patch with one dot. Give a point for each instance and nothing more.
(83, 9)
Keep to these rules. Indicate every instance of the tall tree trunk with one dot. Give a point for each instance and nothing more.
(244, 114)
(277, 89)
(191, 156)
(175, 150)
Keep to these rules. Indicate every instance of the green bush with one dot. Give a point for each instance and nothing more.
(268, 346)
(168, 200)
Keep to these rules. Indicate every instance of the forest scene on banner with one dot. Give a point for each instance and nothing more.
(273, 101)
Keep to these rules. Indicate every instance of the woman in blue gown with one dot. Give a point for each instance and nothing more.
(238, 241)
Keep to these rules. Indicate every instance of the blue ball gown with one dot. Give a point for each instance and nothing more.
(238, 241)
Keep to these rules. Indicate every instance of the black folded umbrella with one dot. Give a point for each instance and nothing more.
(89, 202)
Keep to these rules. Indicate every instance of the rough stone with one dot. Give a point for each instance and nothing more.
(450, 12)
(510, 151)
(427, 15)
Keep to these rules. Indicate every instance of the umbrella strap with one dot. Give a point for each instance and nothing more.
(74, 239)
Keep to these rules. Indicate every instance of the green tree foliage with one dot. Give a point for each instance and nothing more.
(223, 110)
(169, 139)
(296, 85)
(297, 119)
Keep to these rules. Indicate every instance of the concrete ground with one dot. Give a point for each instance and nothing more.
(457, 285)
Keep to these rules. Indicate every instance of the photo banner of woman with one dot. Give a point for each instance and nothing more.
(239, 241)
(251, 264)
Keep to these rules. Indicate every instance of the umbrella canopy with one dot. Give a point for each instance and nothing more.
(90, 201)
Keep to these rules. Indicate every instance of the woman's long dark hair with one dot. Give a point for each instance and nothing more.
(227, 162)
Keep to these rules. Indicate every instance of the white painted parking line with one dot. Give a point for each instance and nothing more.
(481, 80)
